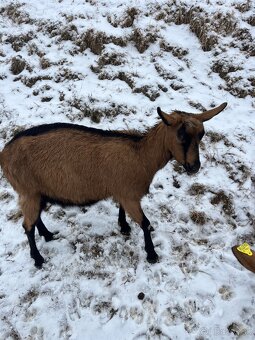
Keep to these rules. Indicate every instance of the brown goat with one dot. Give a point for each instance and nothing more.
(73, 164)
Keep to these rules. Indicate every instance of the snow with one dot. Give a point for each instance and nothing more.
(89, 286)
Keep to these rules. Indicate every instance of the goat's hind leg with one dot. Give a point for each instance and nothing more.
(43, 231)
(124, 226)
(30, 206)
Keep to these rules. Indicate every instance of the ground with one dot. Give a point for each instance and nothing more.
(110, 64)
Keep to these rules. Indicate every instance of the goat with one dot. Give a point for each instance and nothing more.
(74, 164)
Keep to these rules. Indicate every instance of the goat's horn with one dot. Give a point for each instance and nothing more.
(210, 113)
(167, 119)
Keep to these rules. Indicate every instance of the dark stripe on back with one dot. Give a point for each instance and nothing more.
(45, 128)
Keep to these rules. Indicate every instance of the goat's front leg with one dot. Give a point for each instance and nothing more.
(152, 256)
(134, 209)
(124, 226)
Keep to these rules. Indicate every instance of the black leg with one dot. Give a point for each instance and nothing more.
(34, 252)
(43, 231)
(152, 256)
(125, 228)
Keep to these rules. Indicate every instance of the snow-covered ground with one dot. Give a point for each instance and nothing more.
(109, 64)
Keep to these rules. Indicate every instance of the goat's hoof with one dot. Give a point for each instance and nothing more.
(152, 258)
(39, 262)
(51, 236)
(126, 232)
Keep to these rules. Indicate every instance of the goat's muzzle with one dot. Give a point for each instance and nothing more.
(192, 169)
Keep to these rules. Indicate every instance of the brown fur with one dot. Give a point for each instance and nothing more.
(78, 167)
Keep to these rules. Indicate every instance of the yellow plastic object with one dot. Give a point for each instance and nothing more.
(245, 248)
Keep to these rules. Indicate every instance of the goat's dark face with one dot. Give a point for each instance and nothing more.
(185, 148)
(184, 133)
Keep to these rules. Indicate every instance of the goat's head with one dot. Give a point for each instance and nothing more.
(185, 131)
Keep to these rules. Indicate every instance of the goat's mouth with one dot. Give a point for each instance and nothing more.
(192, 169)
(190, 173)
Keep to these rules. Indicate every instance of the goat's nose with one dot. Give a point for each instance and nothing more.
(192, 168)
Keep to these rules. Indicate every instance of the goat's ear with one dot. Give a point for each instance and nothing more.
(210, 113)
(167, 119)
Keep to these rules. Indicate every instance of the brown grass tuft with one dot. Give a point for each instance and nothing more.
(251, 20)
(130, 17)
(197, 189)
(199, 25)
(31, 81)
(93, 40)
(13, 12)
(88, 109)
(224, 67)
(178, 167)
(226, 200)
(237, 329)
(69, 33)
(198, 217)
(148, 91)
(18, 64)
(142, 40)
(114, 58)
(244, 6)
(45, 63)
(244, 41)
(176, 51)
(33, 49)
(164, 73)
(214, 137)
(127, 78)
(96, 41)
(18, 41)
(67, 74)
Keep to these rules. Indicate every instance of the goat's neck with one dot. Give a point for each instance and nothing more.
(154, 151)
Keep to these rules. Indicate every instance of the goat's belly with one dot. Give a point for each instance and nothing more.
(74, 190)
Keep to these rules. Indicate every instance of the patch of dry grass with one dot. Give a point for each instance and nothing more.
(225, 200)
(199, 25)
(176, 51)
(89, 109)
(251, 20)
(18, 64)
(33, 49)
(19, 41)
(143, 39)
(126, 20)
(148, 91)
(197, 189)
(215, 137)
(15, 14)
(67, 74)
(198, 217)
(164, 73)
(244, 6)
(244, 41)
(228, 70)
(45, 63)
(31, 81)
(96, 40)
